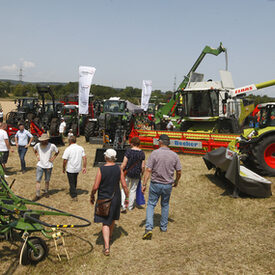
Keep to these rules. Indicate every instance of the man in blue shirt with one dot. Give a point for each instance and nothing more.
(23, 139)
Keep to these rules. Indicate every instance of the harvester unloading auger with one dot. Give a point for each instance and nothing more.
(18, 220)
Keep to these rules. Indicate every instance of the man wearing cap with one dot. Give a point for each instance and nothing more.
(161, 165)
(43, 151)
(23, 139)
(72, 164)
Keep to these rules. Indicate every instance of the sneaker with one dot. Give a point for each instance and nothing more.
(46, 194)
(36, 198)
(163, 230)
(5, 176)
(123, 210)
(147, 235)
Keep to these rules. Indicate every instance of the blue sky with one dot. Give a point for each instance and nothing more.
(128, 41)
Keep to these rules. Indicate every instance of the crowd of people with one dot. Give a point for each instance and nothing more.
(73, 157)
(160, 167)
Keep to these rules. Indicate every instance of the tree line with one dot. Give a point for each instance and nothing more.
(9, 89)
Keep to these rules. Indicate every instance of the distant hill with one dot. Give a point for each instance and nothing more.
(15, 82)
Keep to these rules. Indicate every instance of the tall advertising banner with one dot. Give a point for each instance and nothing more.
(86, 75)
(146, 94)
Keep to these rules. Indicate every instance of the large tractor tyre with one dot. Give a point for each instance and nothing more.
(12, 140)
(264, 156)
(89, 131)
(53, 128)
(30, 116)
(75, 129)
(36, 120)
(29, 256)
(11, 118)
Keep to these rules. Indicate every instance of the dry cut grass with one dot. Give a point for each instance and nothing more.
(208, 233)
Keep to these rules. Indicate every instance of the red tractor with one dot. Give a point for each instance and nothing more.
(34, 130)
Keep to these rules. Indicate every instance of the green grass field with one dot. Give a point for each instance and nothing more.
(208, 233)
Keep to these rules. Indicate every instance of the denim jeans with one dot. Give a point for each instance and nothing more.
(22, 152)
(40, 171)
(163, 191)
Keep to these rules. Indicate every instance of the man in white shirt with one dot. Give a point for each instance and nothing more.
(62, 128)
(4, 145)
(72, 164)
(170, 125)
(43, 152)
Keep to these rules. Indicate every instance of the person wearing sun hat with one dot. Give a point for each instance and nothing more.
(161, 166)
(44, 153)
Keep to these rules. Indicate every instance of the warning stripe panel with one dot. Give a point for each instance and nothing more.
(208, 141)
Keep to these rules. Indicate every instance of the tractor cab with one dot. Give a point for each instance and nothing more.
(70, 115)
(266, 115)
(27, 104)
(204, 104)
(114, 105)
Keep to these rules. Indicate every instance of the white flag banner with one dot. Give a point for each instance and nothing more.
(146, 94)
(86, 75)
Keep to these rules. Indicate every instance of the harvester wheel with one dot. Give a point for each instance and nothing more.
(28, 254)
(264, 156)
(89, 130)
(12, 140)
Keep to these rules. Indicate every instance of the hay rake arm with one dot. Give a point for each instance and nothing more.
(17, 216)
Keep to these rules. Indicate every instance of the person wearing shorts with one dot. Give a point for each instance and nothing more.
(44, 153)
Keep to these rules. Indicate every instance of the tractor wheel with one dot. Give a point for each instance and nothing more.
(11, 117)
(28, 254)
(53, 128)
(89, 131)
(12, 140)
(264, 156)
(36, 120)
(30, 116)
(75, 129)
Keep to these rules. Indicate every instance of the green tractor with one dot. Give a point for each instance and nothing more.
(113, 116)
(70, 115)
(257, 145)
(114, 127)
